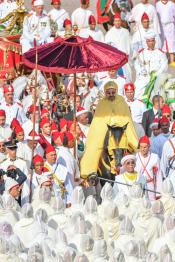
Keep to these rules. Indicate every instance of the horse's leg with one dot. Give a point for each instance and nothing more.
(105, 25)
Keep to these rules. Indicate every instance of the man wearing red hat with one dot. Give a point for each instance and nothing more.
(148, 165)
(5, 130)
(12, 108)
(58, 170)
(166, 111)
(159, 141)
(38, 166)
(58, 15)
(119, 37)
(36, 28)
(28, 125)
(138, 38)
(45, 136)
(83, 120)
(145, 7)
(25, 148)
(137, 108)
(92, 30)
(80, 16)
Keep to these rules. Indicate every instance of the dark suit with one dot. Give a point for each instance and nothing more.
(147, 119)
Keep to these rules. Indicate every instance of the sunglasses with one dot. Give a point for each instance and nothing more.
(130, 163)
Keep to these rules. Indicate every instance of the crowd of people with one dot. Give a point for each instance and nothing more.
(53, 206)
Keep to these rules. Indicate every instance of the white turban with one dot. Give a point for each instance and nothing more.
(38, 2)
(127, 157)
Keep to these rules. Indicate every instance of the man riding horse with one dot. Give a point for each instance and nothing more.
(112, 118)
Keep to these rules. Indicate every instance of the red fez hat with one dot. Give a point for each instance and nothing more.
(166, 109)
(54, 127)
(44, 111)
(55, 2)
(92, 20)
(8, 89)
(2, 112)
(32, 135)
(31, 109)
(14, 123)
(144, 140)
(69, 136)
(67, 22)
(44, 121)
(37, 158)
(63, 122)
(163, 120)
(18, 129)
(145, 17)
(56, 135)
(155, 122)
(129, 87)
(117, 16)
(50, 149)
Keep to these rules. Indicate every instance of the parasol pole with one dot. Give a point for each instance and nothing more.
(75, 110)
(34, 116)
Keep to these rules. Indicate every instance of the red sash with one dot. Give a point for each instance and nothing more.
(150, 178)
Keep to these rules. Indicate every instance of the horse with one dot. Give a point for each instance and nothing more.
(104, 169)
(113, 9)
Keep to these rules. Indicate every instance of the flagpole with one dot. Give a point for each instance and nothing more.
(75, 109)
(34, 116)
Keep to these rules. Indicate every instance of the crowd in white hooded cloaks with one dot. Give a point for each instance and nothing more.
(132, 229)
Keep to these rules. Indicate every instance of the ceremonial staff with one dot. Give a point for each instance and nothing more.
(34, 112)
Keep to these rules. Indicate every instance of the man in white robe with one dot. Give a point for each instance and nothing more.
(145, 7)
(58, 14)
(36, 27)
(149, 60)
(128, 177)
(92, 30)
(80, 16)
(166, 14)
(148, 165)
(119, 37)
(5, 130)
(138, 38)
(168, 160)
(137, 108)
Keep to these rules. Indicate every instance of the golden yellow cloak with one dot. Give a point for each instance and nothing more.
(111, 113)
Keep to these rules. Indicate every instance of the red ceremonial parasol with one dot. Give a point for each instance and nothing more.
(75, 55)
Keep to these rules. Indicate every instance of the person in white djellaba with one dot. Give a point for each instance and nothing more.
(58, 14)
(92, 30)
(119, 37)
(145, 7)
(36, 27)
(80, 16)
(149, 61)
(166, 11)
(138, 38)
(148, 165)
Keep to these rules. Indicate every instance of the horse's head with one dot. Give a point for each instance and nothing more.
(117, 131)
